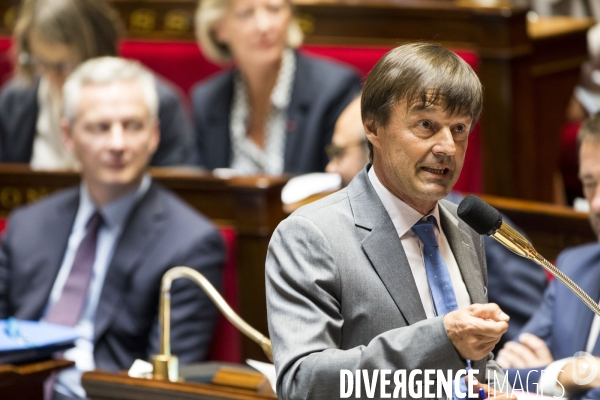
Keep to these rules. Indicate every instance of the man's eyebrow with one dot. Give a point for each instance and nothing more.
(422, 107)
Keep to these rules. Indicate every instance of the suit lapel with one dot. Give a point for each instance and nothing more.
(143, 227)
(580, 313)
(297, 110)
(464, 253)
(384, 249)
(55, 237)
(218, 115)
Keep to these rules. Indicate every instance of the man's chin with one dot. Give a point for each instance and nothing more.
(436, 192)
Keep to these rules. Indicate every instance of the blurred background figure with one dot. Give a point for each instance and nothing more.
(564, 326)
(348, 152)
(514, 283)
(53, 37)
(275, 111)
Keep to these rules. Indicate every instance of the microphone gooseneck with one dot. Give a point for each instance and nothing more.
(486, 220)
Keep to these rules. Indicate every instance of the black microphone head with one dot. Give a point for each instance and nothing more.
(479, 215)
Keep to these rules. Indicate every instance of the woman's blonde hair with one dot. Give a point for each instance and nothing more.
(91, 27)
(210, 12)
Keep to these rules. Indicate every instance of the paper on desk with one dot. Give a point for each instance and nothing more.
(140, 369)
(266, 369)
(304, 186)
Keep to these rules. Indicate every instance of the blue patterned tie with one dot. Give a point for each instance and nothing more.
(438, 275)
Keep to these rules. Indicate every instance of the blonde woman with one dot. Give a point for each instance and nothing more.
(53, 37)
(274, 112)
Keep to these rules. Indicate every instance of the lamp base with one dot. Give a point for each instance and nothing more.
(165, 367)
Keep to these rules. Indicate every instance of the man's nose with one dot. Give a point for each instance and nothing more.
(116, 137)
(444, 142)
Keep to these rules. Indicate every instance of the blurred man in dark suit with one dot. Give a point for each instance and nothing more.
(93, 256)
(514, 283)
(564, 326)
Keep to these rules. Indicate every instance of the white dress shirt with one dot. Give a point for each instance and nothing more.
(404, 217)
(114, 216)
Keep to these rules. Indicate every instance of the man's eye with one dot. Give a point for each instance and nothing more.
(425, 124)
(98, 128)
(133, 125)
(461, 130)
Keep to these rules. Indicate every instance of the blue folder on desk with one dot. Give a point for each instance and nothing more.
(26, 341)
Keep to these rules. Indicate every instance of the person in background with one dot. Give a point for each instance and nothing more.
(348, 152)
(514, 283)
(53, 37)
(93, 256)
(275, 111)
(564, 326)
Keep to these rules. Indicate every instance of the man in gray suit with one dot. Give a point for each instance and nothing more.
(93, 256)
(383, 275)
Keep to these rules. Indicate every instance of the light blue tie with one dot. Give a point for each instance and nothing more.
(438, 275)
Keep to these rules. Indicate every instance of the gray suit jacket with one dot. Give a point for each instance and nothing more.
(161, 232)
(341, 295)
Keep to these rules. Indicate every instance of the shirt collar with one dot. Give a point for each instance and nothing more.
(402, 215)
(115, 212)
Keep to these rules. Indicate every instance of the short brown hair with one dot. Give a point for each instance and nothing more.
(420, 72)
(91, 27)
(589, 129)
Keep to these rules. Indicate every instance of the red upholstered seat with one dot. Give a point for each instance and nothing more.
(6, 65)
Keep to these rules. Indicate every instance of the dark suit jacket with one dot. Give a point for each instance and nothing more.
(563, 321)
(161, 232)
(321, 92)
(18, 118)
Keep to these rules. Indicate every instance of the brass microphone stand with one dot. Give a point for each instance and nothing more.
(166, 365)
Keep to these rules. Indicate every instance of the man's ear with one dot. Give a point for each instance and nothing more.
(371, 130)
(67, 134)
(155, 138)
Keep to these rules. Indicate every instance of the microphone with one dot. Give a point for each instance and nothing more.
(486, 220)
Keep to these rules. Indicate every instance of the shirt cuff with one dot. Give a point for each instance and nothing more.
(549, 378)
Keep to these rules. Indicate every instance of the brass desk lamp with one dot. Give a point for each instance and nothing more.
(166, 365)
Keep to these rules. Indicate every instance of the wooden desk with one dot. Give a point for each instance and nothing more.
(551, 228)
(26, 382)
(101, 385)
